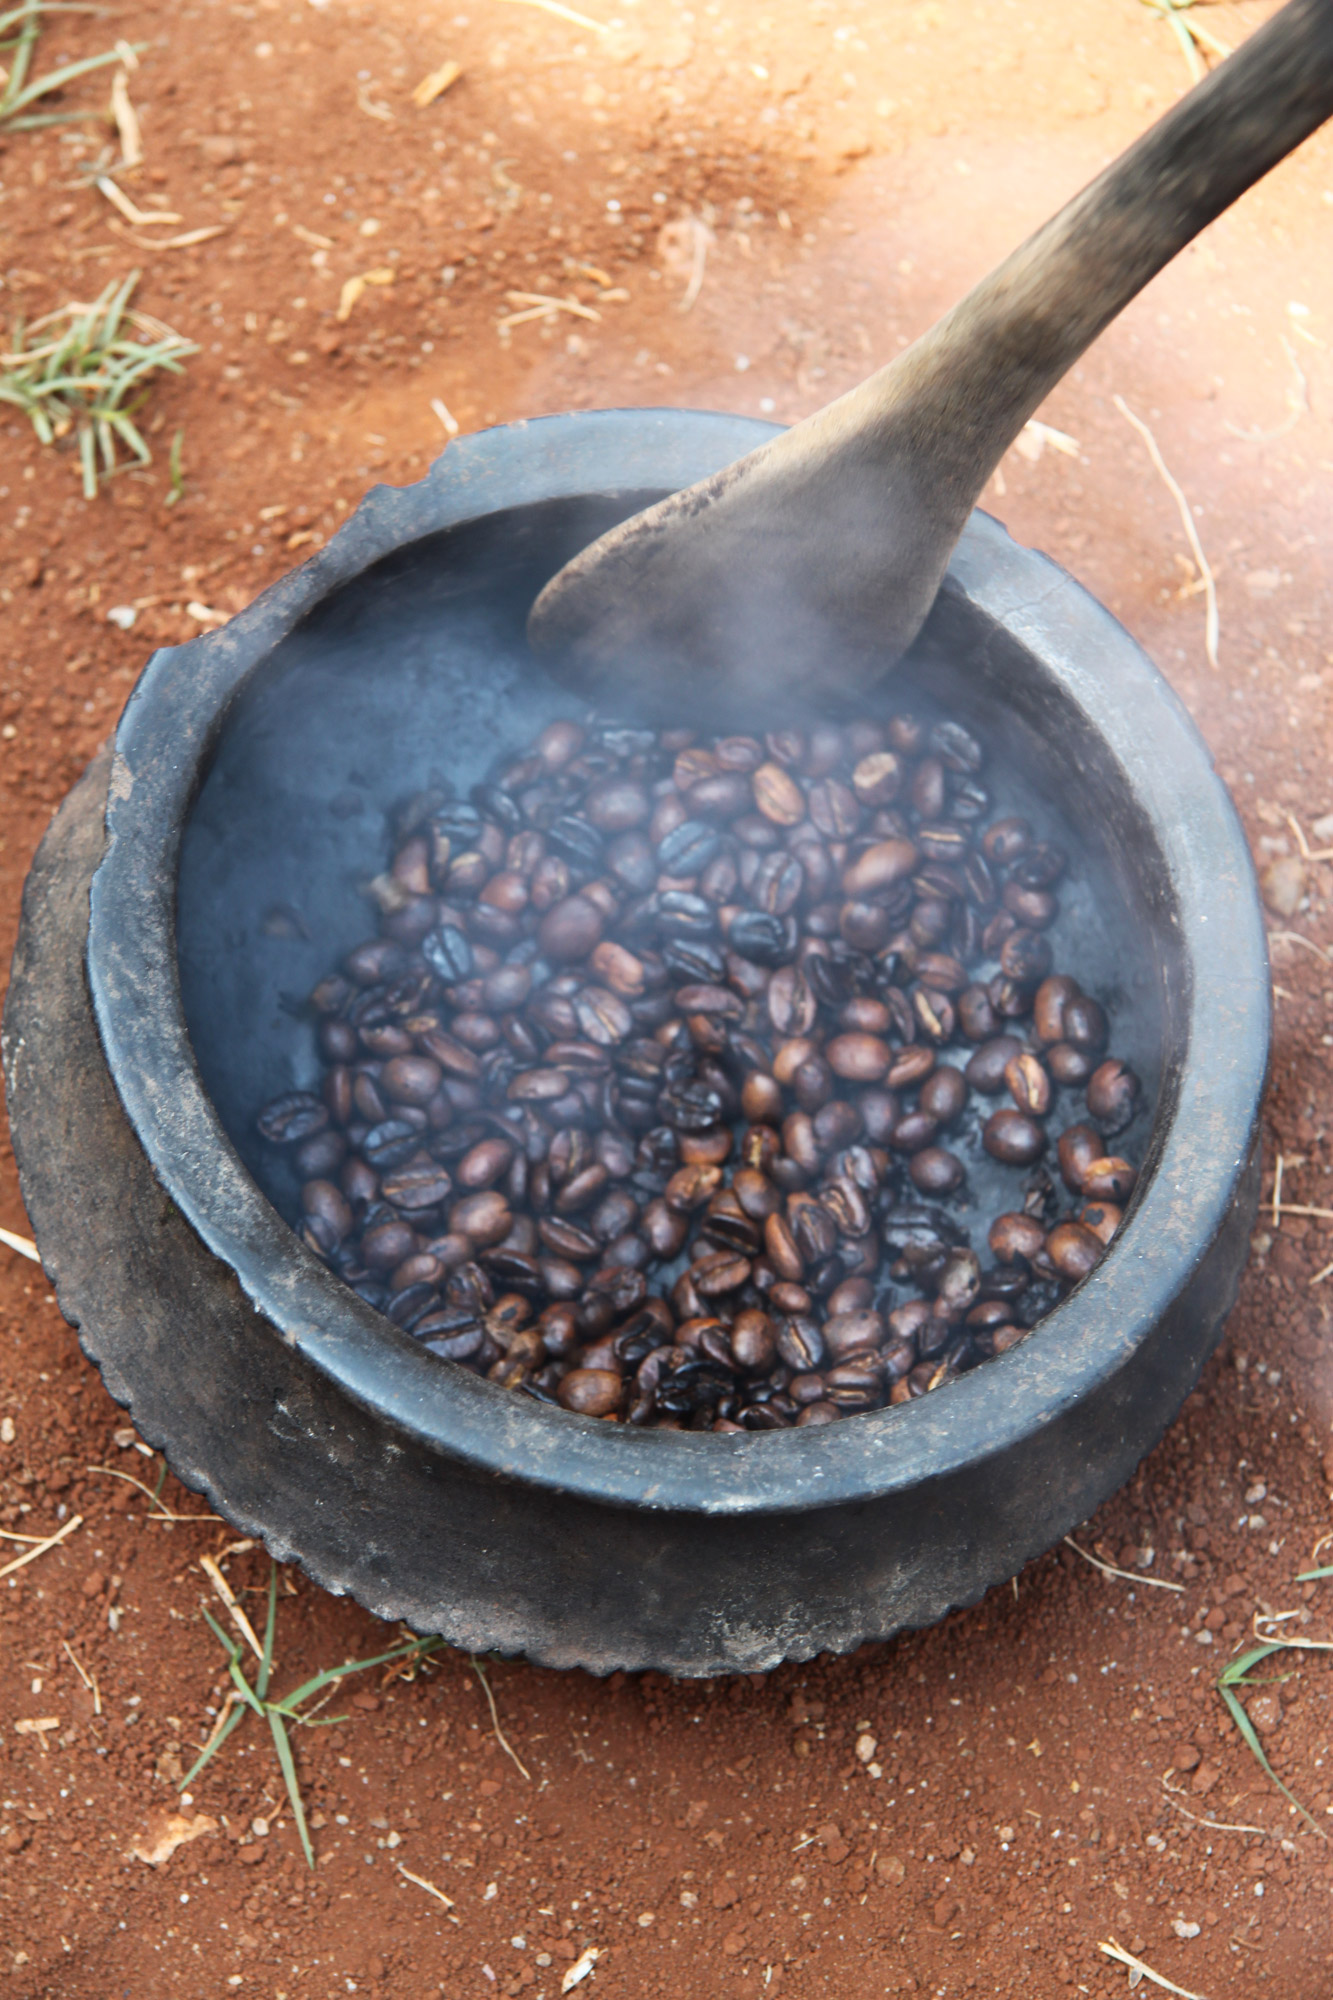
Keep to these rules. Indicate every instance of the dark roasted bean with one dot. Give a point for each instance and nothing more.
(591, 1392)
(1025, 957)
(1013, 1236)
(1108, 1178)
(1073, 1250)
(800, 1344)
(936, 1171)
(1069, 1065)
(944, 1094)
(1029, 1085)
(298, 1115)
(976, 1016)
(1113, 1092)
(688, 848)
(1077, 1148)
(1014, 1138)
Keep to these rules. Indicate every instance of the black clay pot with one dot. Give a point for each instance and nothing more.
(222, 844)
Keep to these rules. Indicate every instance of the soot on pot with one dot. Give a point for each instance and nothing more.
(665, 1090)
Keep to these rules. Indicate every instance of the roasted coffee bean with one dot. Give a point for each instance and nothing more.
(936, 1171)
(859, 1058)
(448, 953)
(286, 1120)
(944, 1094)
(417, 1184)
(389, 1144)
(878, 778)
(1103, 1218)
(790, 1001)
(767, 940)
(847, 1333)
(1025, 957)
(1073, 1249)
(1078, 1147)
(591, 1392)
(1014, 1138)
(879, 869)
(1108, 1178)
(1113, 1093)
(800, 1344)
(976, 1016)
(484, 1219)
(688, 848)
(1068, 1065)
(1016, 1236)
(1029, 1085)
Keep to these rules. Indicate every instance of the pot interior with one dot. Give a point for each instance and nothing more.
(417, 674)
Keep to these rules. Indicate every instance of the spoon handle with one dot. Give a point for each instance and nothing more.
(972, 382)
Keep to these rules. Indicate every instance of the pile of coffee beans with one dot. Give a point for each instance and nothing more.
(656, 1093)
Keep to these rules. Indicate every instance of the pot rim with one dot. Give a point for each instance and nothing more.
(163, 746)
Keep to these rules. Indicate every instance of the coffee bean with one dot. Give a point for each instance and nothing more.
(1103, 1218)
(1113, 1093)
(944, 1094)
(859, 1058)
(1029, 1085)
(386, 1245)
(1085, 1024)
(1025, 957)
(570, 930)
(777, 795)
(1015, 1235)
(790, 1002)
(878, 778)
(879, 868)
(298, 1115)
(1014, 1138)
(936, 1171)
(688, 848)
(800, 1344)
(483, 1218)
(1074, 1250)
(1078, 1147)
(591, 1392)
(1108, 1178)
(1069, 1065)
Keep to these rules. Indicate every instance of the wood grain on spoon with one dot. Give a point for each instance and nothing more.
(809, 566)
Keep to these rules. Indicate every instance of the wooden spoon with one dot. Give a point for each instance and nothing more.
(808, 567)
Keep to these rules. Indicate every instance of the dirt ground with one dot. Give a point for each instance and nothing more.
(1055, 1767)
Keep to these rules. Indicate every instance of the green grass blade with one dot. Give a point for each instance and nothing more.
(231, 1647)
(237, 1715)
(326, 1678)
(120, 422)
(35, 121)
(1235, 1670)
(1247, 1731)
(56, 79)
(282, 1743)
(266, 1664)
(27, 42)
(27, 12)
(1314, 1575)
